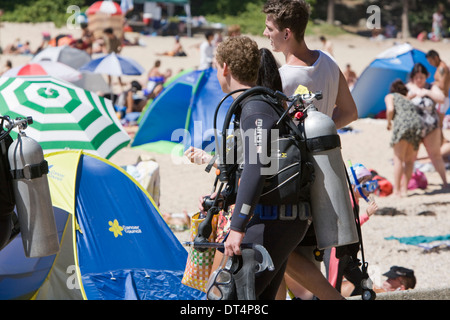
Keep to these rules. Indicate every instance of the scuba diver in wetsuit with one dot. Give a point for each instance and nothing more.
(237, 68)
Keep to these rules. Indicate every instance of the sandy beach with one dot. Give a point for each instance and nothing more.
(367, 143)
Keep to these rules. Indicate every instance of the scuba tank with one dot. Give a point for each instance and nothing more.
(32, 194)
(333, 217)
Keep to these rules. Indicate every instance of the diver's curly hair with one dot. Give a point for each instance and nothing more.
(242, 56)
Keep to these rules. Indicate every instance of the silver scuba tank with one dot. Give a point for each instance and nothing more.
(32, 194)
(333, 217)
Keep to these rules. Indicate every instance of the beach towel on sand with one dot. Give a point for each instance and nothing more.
(416, 240)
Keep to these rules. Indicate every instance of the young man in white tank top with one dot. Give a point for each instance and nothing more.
(316, 78)
(313, 69)
(286, 22)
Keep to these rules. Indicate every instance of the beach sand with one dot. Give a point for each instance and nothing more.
(367, 143)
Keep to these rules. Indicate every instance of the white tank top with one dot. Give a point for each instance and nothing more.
(323, 76)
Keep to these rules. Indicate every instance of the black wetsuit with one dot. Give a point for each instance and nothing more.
(279, 237)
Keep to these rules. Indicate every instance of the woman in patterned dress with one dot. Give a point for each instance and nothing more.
(406, 134)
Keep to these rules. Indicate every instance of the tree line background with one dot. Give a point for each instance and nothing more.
(417, 14)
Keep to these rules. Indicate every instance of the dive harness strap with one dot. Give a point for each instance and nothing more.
(323, 143)
(211, 164)
(30, 171)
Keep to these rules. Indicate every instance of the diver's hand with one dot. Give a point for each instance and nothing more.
(211, 196)
(372, 208)
(233, 243)
(197, 156)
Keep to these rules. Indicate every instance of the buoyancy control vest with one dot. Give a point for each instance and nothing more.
(293, 172)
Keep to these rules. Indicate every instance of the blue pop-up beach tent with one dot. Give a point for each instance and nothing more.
(184, 112)
(114, 244)
(374, 83)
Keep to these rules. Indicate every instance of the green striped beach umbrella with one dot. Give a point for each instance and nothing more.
(64, 116)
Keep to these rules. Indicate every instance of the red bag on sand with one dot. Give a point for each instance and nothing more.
(418, 180)
(385, 187)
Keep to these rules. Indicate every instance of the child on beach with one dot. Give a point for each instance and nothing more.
(339, 265)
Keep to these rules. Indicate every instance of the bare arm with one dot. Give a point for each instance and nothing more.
(441, 78)
(345, 110)
(129, 102)
(436, 94)
(389, 100)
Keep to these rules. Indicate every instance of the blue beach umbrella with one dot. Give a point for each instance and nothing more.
(113, 65)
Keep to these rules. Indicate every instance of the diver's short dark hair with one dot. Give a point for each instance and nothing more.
(292, 14)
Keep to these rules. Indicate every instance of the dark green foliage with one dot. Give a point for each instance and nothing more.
(40, 10)
(246, 13)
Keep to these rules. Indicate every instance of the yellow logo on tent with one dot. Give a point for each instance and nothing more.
(115, 228)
